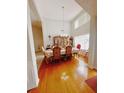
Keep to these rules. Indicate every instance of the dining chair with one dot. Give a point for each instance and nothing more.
(79, 49)
(56, 54)
(79, 46)
(68, 52)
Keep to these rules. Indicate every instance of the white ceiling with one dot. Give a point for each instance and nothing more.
(52, 9)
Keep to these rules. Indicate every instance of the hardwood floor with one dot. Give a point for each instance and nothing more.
(64, 77)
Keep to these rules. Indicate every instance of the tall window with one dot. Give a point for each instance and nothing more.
(83, 40)
(76, 25)
(82, 19)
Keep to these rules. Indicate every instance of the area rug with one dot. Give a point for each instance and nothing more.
(92, 82)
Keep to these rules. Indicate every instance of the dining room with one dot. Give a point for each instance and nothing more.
(58, 28)
(64, 48)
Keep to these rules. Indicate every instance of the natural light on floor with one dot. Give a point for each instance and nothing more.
(64, 76)
(82, 69)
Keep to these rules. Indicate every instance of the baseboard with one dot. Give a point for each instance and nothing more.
(35, 86)
(91, 67)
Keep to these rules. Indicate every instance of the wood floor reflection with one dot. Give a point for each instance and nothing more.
(65, 77)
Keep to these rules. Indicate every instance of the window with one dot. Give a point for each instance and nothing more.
(83, 40)
(82, 19)
(76, 25)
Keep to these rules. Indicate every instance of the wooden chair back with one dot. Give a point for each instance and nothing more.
(69, 51)
(56, 53)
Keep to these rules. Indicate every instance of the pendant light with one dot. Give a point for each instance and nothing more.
(63, 19)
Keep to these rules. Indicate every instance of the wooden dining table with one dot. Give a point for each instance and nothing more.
(49, 52)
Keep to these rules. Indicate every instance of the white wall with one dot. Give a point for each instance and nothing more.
(33, 11)
(32, 74)
(53, 28)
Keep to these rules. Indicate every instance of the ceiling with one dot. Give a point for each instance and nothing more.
(52, 9)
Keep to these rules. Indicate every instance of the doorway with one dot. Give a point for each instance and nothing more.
(38, 40)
